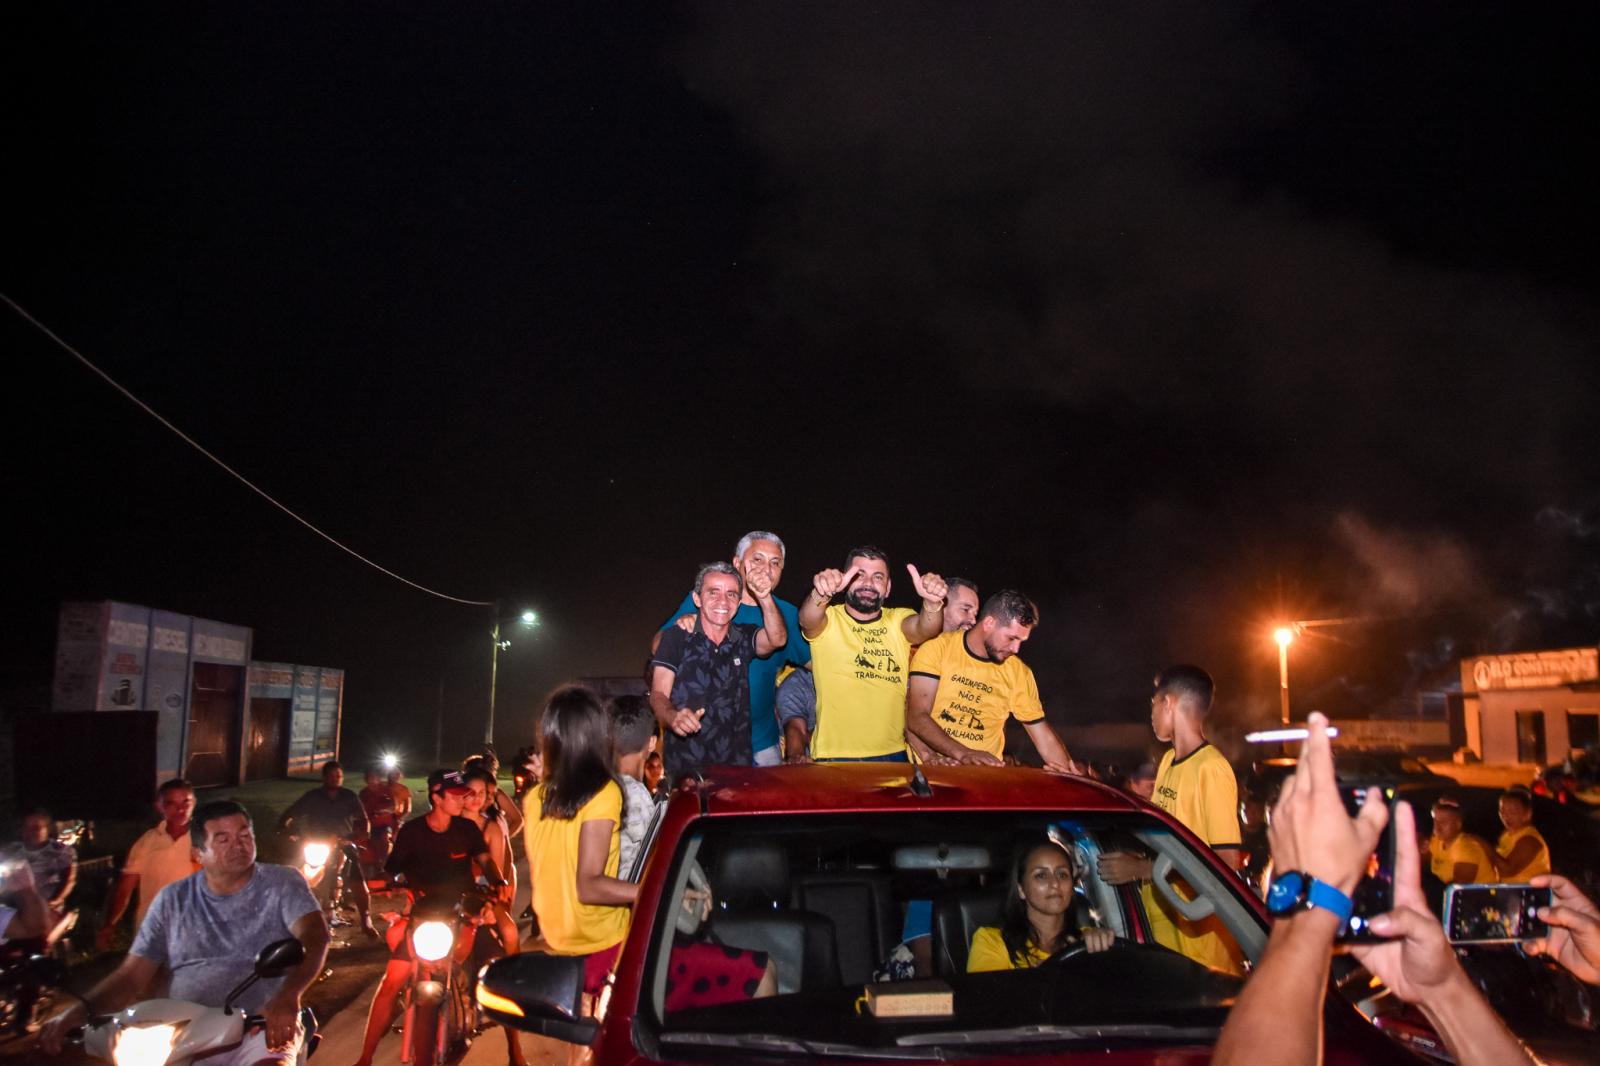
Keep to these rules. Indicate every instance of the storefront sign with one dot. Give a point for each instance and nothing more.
(1533, 669)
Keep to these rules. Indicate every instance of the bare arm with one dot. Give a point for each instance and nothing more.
(71, 879)
(774, 634)
(594, 887)
(920, 694)
(116, 907)
(796, 741)
(1051, 748)
(824, 586)
(1287, 986)
(282, 1011)
(121, 987)
(681, 720)
(929, 622)
(513, 816)
(1521, 855)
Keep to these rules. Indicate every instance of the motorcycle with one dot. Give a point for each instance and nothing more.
(440, 1013)
(176, 1032)
(25, 979)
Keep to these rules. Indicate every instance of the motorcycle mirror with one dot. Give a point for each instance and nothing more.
(274, 960)
(279, 957)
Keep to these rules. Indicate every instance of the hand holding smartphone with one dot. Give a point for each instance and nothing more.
(1494, 913)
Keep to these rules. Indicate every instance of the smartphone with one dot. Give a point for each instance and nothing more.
(1494, 914)
(1374, 895)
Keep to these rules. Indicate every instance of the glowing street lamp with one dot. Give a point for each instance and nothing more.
(1284, 635)
(526, 618)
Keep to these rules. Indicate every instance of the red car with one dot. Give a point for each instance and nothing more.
(823, 870)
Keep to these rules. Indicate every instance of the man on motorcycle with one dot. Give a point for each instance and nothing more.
(335, 813)
(54, 864)
(158, 858)
(435, 854)
(205, 931)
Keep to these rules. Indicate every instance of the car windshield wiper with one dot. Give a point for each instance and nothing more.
(1022, 1034)
(791, 1045)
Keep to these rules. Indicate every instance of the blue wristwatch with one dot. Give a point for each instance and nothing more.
(1298, 891)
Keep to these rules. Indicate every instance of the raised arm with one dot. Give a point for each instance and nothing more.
(824, 586)
(773, 634)
(929, 622)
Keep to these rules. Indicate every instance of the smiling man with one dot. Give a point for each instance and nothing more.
(758, 552)
(699, 680)
(861, 653)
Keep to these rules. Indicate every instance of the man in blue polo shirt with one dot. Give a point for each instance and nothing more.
(759, 552)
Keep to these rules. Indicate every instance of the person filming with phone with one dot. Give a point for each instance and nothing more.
(1278, 1017)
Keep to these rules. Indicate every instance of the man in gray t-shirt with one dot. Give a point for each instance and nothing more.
(207, 929)
(209, 941)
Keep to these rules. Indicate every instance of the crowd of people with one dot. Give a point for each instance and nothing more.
(738, 676)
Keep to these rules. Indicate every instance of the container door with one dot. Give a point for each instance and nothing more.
(214, 725)
(267, 744)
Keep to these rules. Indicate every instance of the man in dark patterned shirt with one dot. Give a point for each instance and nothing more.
(699, 685)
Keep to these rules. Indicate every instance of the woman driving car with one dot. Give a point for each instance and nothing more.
(1035, 922)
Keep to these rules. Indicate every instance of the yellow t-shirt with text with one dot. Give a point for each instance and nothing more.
(860, 672)
(976, 694)
(568, 926)
(1200, 791)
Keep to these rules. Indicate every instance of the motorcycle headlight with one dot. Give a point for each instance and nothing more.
(144, 1045)
(316, 853)
(432, 941)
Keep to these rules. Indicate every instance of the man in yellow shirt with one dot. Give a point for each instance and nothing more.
(1456, 857)
(860, 655)
(966, 683)
(1194, 784)
(1521, 853)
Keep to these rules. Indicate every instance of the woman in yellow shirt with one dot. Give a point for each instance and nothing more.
(571, 827)
(1034, 924)
(1521, 852)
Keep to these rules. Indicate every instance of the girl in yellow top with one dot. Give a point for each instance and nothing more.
(1522, 852)
(1034, 924)
(571, 828)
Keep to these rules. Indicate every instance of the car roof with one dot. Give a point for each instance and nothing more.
(866, 786)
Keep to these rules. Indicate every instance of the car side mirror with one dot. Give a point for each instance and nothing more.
(538, 993)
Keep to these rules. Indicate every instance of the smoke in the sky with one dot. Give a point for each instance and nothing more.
(1404, 572)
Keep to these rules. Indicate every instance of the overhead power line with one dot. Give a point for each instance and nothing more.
(246, 482)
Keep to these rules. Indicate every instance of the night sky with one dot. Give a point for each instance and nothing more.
(1183, 318)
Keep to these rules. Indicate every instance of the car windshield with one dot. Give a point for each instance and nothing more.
(887, 933)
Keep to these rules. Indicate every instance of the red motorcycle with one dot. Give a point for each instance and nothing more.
(440, 1013)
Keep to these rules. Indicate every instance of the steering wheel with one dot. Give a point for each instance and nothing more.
(1081, 948)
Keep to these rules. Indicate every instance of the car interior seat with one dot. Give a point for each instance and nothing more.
(861, 905)
(750, 884)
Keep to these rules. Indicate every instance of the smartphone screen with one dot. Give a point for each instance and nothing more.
(1494, 914)
(1374, 895)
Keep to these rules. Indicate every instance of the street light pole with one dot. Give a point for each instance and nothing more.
(527, 618)
(494, 675)
(1284, 636)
